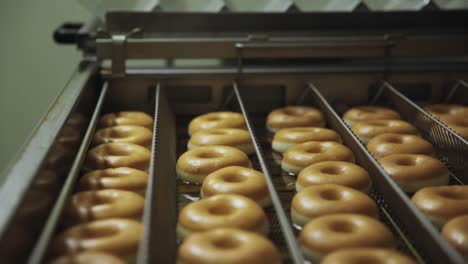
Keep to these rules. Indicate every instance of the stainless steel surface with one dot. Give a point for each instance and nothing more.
(17, 179)
(42, 244)
(158, 243)
(291, 242)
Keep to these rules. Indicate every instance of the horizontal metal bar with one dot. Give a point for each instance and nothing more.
(19, 176)
(432, 247)
(452, 147)
(408, 21)
(40, 249)
(148, 48)
(291, 242)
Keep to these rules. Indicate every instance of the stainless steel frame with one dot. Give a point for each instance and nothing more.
(345, 57)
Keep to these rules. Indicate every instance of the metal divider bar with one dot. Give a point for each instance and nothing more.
(40, 249)
(449, 144)
(434, 248)
(291, 242)
(160, 205)
(454, 89)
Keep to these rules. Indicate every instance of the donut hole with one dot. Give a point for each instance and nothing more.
(225, 243)
(234, 178)
(221, 210)
(454, 195)
(330, 195)
(218, 132)
(406, 162)
(396, 140)
(294, 112)
(368, 110)
(209, 155)
(212, 118)
(118, 133)
(331, 170)
(117, 151)
(314, 149)
(105, 231)
(342, 227)
(367, 259)
(378, 123)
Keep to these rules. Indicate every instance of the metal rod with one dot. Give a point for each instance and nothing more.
(454, 89)
(291, 242)
(434, 249)
(40, 249)
(144, 249)
(158, 243)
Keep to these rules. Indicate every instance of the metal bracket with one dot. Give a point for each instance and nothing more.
(119, 50)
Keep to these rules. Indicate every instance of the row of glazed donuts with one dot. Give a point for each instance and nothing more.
(37, 203)
(228, 224)
(454, 116)
(338, 220)
(411, 162)
(102, 218)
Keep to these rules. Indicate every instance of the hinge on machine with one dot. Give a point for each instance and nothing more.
(119, 49)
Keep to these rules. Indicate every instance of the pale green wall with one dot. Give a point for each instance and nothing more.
(33, 69)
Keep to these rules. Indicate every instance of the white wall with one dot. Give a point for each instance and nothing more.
(33, 69)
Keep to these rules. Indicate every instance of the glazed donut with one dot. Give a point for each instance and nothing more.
(227, 245)
(126, 179)
(456, 233)
(59, 159)
(318, 200)
(335, 172)
(124, 134)
(366, 130)
(48, 181)
(413, 172)
(70, 136)
(457, 123)
(446, 110)
(115, 155)
(391, 143)
(77, 120)
(115, 236)
(88, 257)
(294, 116)
(126, 118)
(367, 113)
(306, 154)
(329, 233)
(217, 120)
(237, 180)
(194, 165)
(442, 203)
(222, 210)
(36, 205)
(231, 137)
(103, 204)
(366, 255)
(288, 137)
